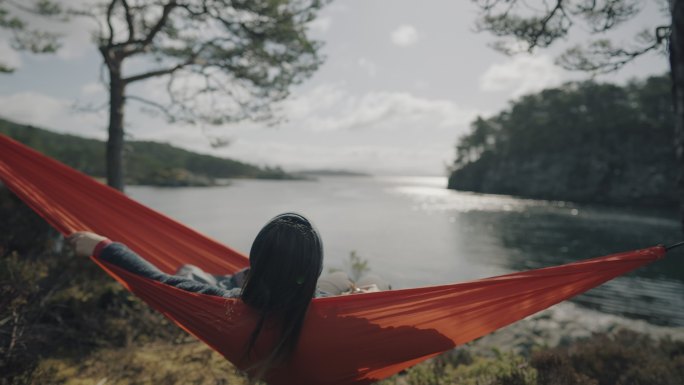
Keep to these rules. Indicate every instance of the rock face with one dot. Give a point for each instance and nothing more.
(583, 142)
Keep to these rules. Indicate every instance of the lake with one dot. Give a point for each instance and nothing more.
(414, 232)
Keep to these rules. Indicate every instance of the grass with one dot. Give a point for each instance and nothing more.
(624, 358)
(157, 362)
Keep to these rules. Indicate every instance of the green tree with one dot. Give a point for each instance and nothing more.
(481, 138)
(222, 61)
(529, 25)
(583, 141)
(13, 18)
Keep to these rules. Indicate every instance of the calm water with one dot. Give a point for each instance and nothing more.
(414, 232)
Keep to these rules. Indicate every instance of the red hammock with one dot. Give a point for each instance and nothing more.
(355, 339)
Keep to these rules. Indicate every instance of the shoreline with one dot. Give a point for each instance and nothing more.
(561, 324)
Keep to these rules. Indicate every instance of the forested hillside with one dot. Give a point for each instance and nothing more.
(585, 142)
(148, 163)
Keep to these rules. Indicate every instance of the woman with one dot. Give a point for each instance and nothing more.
(286, 260)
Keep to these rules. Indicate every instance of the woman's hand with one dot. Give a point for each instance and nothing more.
(84, 242)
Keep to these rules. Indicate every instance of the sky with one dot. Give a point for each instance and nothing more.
(401, 82)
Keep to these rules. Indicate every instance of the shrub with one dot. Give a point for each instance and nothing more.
(624, 358)
(55, 305)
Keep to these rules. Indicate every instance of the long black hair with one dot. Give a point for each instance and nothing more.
(286, 260)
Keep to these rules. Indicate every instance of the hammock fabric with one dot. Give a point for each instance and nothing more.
(354, 339)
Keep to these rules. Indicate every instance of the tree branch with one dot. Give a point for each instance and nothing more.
(193, 59)
(194, 13)
(164, 109)
(601, 57)
(110, 10)
(663, 33)
(144, 43)
(44, 8)
(90, 108)
(544, 23)
(88, 14)
(538, 30)
(129, 21)
(162, 72)
(160, 23)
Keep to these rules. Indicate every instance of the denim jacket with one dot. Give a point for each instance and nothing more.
(188, 277)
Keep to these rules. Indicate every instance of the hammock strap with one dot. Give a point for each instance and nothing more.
(674, 246)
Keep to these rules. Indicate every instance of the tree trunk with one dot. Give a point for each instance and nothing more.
(677, 73)
(115, 143)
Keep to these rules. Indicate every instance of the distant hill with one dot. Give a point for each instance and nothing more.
(326, 172)
(147, 163)
(583, 142)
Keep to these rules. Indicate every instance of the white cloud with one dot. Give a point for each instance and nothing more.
(75, 33)
(521, 75)
(330, 127)
(377, 159)
(405, 35)
(8, 56)
(330, 108)
(320, 24)
(321, 98)
(78, 38)
(52, 113)
(327, 127)
(369, 66)
(92, 89)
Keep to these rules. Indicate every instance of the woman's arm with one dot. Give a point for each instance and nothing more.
(86, 244)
